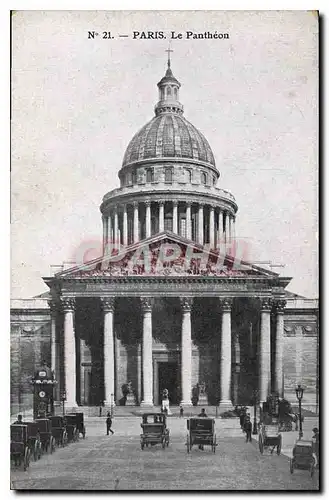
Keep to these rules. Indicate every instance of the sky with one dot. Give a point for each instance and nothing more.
(77, 102)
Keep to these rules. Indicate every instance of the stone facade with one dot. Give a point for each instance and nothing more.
(170, 303)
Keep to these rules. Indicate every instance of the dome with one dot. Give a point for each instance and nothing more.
(168, 135)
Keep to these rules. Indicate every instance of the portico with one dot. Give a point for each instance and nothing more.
(137, 322)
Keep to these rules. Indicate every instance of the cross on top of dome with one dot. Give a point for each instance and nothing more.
(168, 92)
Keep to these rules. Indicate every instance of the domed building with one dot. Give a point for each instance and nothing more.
(170, 304)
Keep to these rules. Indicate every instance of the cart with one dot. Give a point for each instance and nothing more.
(71, 424)
(33, 439)
(154, 430)
(270, 437)
(58, 430)
(79, 423)
(302, 456)
(19, 446)
(201, 431)
(47, 439)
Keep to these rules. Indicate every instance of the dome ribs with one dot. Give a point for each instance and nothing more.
(168, 135)
(149, 144)
(186, 146)
(168, 138)
(159, 137)
(177, 138)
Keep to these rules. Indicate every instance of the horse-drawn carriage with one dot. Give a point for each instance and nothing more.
(19, 445)
(58, 430)
(302, 456)
(154, 430)
(46, 437)
(79, 421)
(270, 437)
(201, 431)
(72, 427)
(33, 439)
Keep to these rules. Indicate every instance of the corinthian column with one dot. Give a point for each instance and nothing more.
(161, 216)
(265, 349)
(212, 227)
(148, 219)
(220, 228)
(108, 308)
(188, 221)
(146, 304)
(54, 345)
(225, 356)
(136, 235)
(279, 306)
(200, 224)
(175, 218)
(69, 353)
(125, 226)
(105, 232)
(116, 226)
(186, 305)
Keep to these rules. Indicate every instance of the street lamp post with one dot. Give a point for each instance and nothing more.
(63, 402)
(299, 395)
(255, 397)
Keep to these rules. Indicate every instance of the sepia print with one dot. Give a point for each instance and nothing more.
(164, 307)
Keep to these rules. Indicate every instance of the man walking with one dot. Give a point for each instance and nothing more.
(109, 424)
(247, 428)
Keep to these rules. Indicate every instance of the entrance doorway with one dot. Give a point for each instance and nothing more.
(168, 377)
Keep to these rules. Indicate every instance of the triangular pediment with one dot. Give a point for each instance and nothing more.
(168, 254)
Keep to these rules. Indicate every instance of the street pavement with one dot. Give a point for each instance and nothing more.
(117, 462)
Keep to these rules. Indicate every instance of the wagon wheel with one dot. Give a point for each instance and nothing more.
(291, 465)
(26, 458)
(142, 444)
(261, 444)
(35, 451)
(214, 444)
(312, 466)
(52, 444)
(39, 450)
(278, 448)
(167, 439)
(64, 438)
(188, 444)
(163, 442)
(84, 432)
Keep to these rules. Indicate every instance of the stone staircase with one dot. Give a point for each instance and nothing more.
(136, 411)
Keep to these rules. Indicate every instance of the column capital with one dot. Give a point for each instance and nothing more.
(68, 304)
(186, 303)
(188, 203)
(161, 202)
(279, 305)
(107, 304)
(147, 203)
(53, 306)
(146, 304)
(266, 304)
(201, 204)
(135, 204)
(175, 203)
(226, 304)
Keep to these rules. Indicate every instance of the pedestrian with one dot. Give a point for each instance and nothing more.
(19, 419)
(181, 411)
(203, 413)
(109, 424)
(247, 428)
(315, 439)
(242, 417)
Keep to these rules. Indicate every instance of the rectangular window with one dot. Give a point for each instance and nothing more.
(149, 175)
(182, 230)
(168, 225)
